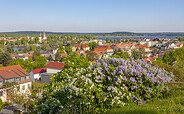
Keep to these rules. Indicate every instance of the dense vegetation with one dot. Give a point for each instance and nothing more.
(107, 84)
(173, 62)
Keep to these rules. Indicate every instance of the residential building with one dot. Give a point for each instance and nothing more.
(35, 74)
(81, 52)
(105, 51)
(54, 67)
(125, 47)
(14, 73)
(81, 47)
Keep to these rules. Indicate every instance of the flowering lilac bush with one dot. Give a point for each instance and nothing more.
(109, 83)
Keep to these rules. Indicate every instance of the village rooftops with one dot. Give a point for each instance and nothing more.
(55, 65)
(81, 45)
(39, 70)
(12, 72)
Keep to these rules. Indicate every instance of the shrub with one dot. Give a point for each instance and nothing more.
(109, 83)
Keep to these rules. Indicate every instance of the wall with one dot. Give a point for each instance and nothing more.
(26, 91)
(53, 70)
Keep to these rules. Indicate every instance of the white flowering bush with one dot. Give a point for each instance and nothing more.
(109, 83)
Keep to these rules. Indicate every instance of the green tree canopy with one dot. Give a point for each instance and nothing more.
(5, 58)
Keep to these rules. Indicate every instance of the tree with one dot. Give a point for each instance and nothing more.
(9, 49)
(120, 55)
(50, 58)
(1, 104)
(15, 96)
(24, 41)
(36, 53)
(76, 61)
(92, 56)
(136, 54)
(36, 40)
(32, 48)
(61, 49)
(5, 58)
(107, 40)
(2, 42)
(68, 50)
(58, 56)
(45, 47)
(18, 42)
(142, 52)
(40, 62)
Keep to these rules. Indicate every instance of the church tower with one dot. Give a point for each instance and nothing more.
(40, 38)
(44, 36)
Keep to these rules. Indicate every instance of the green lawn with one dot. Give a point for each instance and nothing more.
(173, 102)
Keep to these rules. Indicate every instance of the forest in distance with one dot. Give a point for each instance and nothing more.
(98, 34)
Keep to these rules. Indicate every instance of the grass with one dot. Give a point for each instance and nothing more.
(170, 103)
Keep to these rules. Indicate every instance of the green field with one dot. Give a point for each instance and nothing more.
(170, 103)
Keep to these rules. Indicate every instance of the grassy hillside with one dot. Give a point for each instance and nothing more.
(172, 102)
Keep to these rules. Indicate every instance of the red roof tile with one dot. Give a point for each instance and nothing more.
(39, 70)
(56, 65)
(64, 54)
(83, 45)
(12, 71)
(140, 46)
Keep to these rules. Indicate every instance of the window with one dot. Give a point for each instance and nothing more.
(17, 79)
(22, 78)
(27, 77)
(28, 86)
(23, 87)
(1, 83)
(9, 80)
(1, 93)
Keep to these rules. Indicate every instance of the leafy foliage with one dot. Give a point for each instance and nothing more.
(108, 83)
(173, 62)
(5, 58)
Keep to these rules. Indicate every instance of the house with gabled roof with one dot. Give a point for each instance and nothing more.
(35, 74)
(80, 46)
(16, 74)
(102, 50)
(125, 47)
(54, 67)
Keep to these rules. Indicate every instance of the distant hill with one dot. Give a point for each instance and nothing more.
(102, 34)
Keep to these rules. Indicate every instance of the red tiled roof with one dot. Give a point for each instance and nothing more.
(1, 79)
(64, 54)
(39, 70)
(101, 49)
(178, 44)
(149, 59)
(55, 65)
(83, 45)
(140, 46)
(12, 71)
(80, 52)
(126, 44)
(93, 61)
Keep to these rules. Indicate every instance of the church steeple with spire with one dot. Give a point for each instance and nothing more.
(44, 36)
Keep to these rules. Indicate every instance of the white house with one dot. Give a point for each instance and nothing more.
(53, 67)
(14, 73)
(35, 74)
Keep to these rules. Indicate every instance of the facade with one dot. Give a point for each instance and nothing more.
(35, 74)
(125, 47)
(105, 51)
(79, 46)
(81, 52)
(53, 67)
(16, 74)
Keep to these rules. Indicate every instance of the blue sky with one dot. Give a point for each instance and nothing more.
(92, 15)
